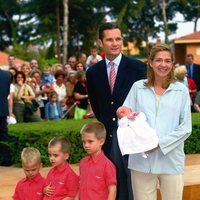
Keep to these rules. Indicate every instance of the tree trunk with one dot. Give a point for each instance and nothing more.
(65, 30)
(165, 21)
(58, 30)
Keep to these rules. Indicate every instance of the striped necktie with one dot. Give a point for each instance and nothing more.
(112, 76)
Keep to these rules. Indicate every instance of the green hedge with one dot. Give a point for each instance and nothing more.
(38, 134)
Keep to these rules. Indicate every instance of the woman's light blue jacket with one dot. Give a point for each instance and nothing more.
(171, 117)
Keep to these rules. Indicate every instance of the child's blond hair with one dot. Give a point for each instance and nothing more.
(30, 155)
(64, 143)
(94, 127)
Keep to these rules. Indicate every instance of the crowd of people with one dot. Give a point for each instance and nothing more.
(154, 89)
(55, 89)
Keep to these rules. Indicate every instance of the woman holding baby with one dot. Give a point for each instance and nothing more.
(166, 104)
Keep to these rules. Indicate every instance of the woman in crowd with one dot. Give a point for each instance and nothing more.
(23, 93)
(59, 86)
(166, 104)
(79, 66)
(40, 91)
(80, 94)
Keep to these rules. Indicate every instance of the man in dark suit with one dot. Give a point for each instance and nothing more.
(193, 70)
(4, 92)
(105, 100)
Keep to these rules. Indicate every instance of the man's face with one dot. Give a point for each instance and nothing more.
(11, 60)
(111, 43)
(189, 60)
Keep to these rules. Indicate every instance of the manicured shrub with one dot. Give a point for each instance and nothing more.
(38, 134)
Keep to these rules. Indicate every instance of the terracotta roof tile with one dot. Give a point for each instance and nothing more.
(193, 36)
(4, 59)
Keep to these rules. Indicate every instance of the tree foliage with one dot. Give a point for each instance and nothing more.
(40, 22)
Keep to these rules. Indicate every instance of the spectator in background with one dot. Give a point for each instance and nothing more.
(193, 70)
(93, 57)
(47, 77)
(56, 67)
(34, 64)
(72, 61)
(26, 69)
(82, 58)
(79, 66)
(67, 68)
(80, 94)
(59, 85)
(13, 71)
(11, 62)
(71, 81)
(197, 102)
(23, 93)
(53, 109)
(181, 75)
(11, 95)
(40, 90)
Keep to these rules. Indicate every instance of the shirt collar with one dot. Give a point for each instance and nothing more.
(62, 167)
(96, 158)
(172, 86)
(34, 179)
(116, 60)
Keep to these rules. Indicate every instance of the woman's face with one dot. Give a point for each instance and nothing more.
(20, 79)
(37, 77)
(79, 67)
(59, 79)
(26, 70)
(162, 64)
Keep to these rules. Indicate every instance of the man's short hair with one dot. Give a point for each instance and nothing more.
(106, 26)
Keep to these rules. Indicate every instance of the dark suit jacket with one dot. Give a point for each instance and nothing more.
(4, 92)
(103, 104)
(196, 75)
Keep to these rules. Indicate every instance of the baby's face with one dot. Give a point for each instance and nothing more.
(123, 111)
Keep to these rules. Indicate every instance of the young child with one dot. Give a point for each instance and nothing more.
(97, 172)
(93, 57)
(32, 186)
(53, 109)
(47, 77)
(134, 133)
(61, 181)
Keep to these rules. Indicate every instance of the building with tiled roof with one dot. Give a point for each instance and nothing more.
(4, 59)
(187, 44)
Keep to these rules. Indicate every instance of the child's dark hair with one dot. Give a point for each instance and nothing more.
(94, 127)
(52, 93)
(65, 144)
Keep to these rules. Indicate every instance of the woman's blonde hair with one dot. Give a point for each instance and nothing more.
(150, 72)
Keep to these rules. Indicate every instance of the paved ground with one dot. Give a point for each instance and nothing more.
(9, 176)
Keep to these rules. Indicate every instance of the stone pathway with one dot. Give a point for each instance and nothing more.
(9, 176)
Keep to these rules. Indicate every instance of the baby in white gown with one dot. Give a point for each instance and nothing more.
(134, 133)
